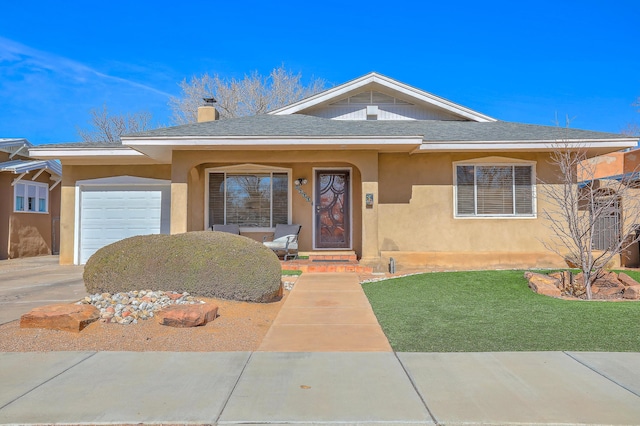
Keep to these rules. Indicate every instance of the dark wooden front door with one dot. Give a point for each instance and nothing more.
(332, 207)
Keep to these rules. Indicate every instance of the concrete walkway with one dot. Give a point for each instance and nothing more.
(326, 312)
(345, 388)
(36, 281)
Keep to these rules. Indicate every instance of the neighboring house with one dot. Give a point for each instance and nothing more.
(606, 174)
(29, 202)
(372, 166)
(613, 166)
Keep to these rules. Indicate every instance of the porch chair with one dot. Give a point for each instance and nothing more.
(285, 240)
(231, 229)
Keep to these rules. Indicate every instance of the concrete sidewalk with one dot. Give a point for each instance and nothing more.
(36, 281)
(539, 388)
(326, 312)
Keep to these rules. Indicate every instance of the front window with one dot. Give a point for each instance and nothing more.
(31, 197)
(250, 200)
(494, 190)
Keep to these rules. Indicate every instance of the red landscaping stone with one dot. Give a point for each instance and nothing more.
(543, 284)
(632, 292)
(187, 315)
(62, 316)
(626, 280)
(173, 296)
(607, 286)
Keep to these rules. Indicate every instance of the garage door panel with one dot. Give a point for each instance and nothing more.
(108, 215)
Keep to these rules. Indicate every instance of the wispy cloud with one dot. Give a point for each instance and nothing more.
(25, 56)
(46, 96)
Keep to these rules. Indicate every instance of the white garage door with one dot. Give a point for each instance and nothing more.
(109, 214)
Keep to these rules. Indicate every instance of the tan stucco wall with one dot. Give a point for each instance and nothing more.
(6, 209)
(412, 218)
(416, 217)
(192, 165)
(602, 166)
(632, 161)
(73, 173)
(54, 211)
(26, 234)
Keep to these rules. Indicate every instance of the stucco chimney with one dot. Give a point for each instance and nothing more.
(208, 112)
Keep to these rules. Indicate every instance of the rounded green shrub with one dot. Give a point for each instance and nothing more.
(205, 263)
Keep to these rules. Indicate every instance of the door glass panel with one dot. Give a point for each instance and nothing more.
(332, 210)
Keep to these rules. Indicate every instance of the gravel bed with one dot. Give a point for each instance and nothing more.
(240, 326)
(129, 307)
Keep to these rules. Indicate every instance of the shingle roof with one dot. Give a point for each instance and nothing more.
(301, 126)
(298, 125)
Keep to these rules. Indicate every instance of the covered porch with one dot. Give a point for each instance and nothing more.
(331, 195)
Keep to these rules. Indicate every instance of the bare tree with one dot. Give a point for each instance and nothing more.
(254, 94)
(593, 219)
(108, 128)
(633, 129)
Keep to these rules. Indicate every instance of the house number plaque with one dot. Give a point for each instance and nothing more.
(369, 201)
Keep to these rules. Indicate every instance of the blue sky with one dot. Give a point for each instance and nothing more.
(516, 61)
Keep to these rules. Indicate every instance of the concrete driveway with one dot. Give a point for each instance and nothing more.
(36, 281)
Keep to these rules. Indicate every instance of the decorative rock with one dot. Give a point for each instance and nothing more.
(632, 292)
(187, 315)
(608, 292)
(556, 275)
(543, 284)
(606, 286)
(134, 304)
(66, 317)
(626, 280)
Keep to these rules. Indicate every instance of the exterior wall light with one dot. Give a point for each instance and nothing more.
(300, 182)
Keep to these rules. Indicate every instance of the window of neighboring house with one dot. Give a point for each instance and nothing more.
(31, 197)
(253, 200)
(500, 190)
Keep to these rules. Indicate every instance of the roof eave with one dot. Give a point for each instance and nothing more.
(102, 155)
(594, 146)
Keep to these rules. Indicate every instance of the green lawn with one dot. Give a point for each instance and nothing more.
(496, 311)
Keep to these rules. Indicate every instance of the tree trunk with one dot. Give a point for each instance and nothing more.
(587, 283)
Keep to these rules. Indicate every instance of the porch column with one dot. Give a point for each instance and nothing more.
(67, 217)
(369, 173)
(179, 199)
(370, 252)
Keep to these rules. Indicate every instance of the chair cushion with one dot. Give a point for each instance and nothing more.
(283, 230)
(281, 243)
(231, 229)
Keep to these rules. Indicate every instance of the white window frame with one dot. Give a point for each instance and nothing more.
(500, 162)
(248, 169)
(25, 204)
